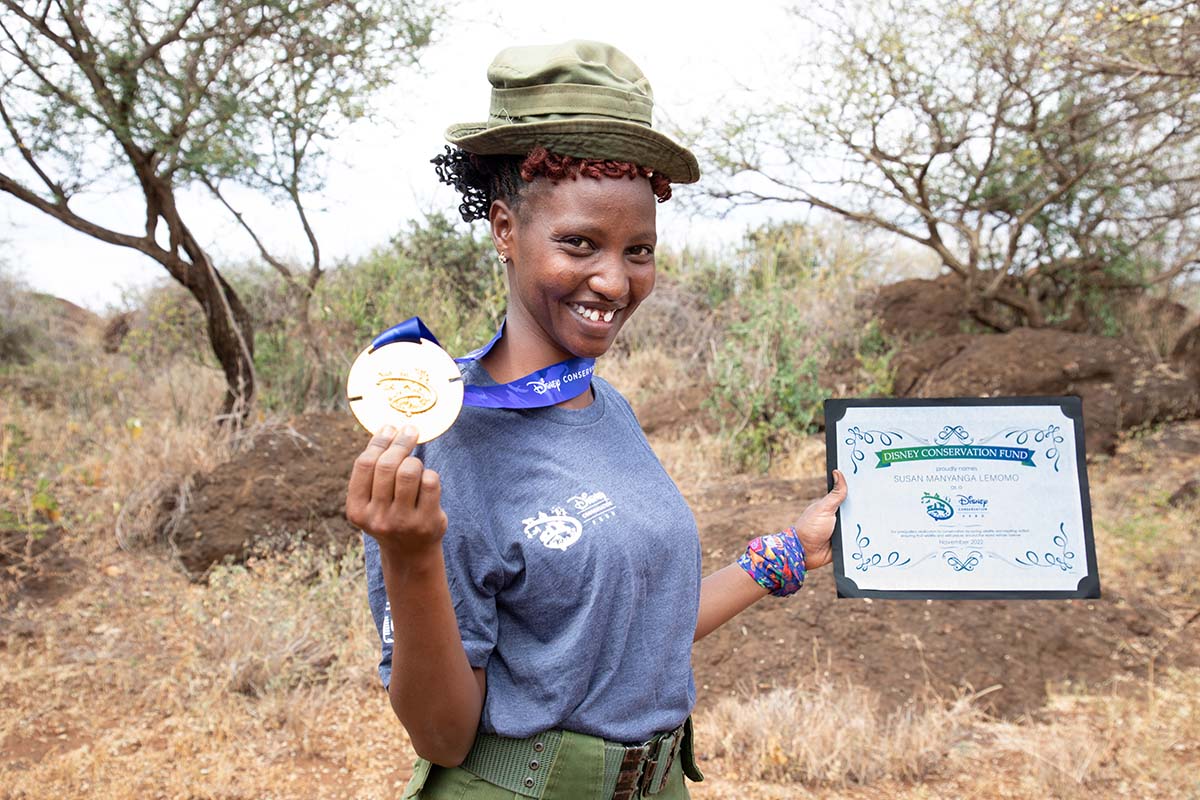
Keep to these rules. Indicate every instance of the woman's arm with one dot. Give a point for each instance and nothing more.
(730, 590)
(723, 595)
(434, 691)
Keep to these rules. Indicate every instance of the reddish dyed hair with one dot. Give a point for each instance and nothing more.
(482, 179)
(542, 163)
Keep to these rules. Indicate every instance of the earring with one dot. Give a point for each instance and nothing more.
(503, 258)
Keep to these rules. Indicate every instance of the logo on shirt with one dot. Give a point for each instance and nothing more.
(594, 507)
(557, 530)
(560, 529)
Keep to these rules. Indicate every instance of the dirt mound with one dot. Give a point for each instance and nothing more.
(292, 480)
(1121, 388)
(935, 307)
(1186, 352)
(905, 649)
(65, 319)
(673, 410)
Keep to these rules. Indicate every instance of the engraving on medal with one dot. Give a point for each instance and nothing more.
(405, 382)
(408, 391)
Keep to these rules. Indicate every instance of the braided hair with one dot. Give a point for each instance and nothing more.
(483, 179)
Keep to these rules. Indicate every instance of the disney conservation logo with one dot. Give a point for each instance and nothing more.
(937, 507)
(943, 508)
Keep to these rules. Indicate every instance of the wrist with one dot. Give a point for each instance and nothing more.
(412, 561)
(776, 562)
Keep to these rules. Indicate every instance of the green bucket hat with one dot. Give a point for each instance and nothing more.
(579, 98)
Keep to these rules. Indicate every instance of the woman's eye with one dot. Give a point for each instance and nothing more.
(577, 241)
(642, 250)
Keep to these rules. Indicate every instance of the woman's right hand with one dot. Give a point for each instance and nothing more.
(393, 497)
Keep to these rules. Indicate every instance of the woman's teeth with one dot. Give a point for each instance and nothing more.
(594, 314)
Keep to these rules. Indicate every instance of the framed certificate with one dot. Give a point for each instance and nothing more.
(962, 498)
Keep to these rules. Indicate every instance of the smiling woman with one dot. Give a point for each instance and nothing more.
(536, 619)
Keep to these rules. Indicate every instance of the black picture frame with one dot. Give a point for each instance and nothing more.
(1072, 407)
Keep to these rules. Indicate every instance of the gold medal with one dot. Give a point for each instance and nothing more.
(406, 383)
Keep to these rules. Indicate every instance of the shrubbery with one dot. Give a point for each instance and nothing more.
(771, 322)
(443, 272)
(19, 326)
(795, 336)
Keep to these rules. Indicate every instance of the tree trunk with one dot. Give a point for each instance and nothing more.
(302, 301)
(232, 340)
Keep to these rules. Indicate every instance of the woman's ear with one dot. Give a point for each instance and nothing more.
(503, 220)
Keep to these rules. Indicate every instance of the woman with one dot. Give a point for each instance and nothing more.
(537, 618)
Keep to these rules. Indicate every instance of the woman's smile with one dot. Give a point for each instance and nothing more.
(592, 314)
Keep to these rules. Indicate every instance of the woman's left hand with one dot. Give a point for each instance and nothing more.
(814, 529)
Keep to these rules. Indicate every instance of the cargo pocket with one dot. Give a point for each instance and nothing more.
(687, 754)
(417, 782)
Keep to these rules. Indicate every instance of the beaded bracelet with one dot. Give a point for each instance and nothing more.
(776, 562)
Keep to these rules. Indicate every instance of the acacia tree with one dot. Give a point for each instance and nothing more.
(1138, 38)
(1001, 135)
(104, 94)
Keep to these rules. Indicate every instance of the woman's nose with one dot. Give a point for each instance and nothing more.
(611, 279)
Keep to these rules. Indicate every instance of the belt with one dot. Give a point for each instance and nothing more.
(523, 765)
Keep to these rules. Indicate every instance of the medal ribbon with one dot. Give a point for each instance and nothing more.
(548, 386)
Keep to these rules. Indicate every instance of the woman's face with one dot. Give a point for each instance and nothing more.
(581, 259)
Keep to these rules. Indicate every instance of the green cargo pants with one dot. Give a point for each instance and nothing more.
(574, 773)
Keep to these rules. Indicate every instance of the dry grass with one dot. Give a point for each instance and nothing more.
(102, 430)
(1145, 743)
(1140, 744)
(145, 685)
(132, 682)
(647, 373)
(287, 620)
(829, 733)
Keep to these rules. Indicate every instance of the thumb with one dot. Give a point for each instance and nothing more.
(837, 494)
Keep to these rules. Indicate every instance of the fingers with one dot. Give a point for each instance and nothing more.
(429, 504)
(837, 494)
(383, 484)
(430, 498)
(363, 472)
(408, 482)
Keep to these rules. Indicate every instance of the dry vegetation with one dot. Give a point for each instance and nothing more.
(120, 678)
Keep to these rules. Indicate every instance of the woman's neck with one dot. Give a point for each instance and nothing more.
(509, 360)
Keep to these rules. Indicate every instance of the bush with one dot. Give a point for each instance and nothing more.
(443, 272)
(795, 336)
(20, 324)
(765, 376)
(165, 324)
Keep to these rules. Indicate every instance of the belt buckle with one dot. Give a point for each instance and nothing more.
(641, 762)
(631, 779)
(648, 766)
(664, 749)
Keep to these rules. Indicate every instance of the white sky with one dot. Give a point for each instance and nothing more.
(693, 59)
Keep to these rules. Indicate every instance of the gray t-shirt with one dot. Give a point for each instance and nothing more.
(574, 566)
